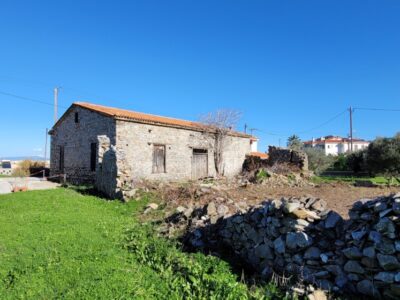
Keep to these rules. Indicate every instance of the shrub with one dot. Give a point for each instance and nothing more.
(25, 166)
(356, 161)
(317, 160)
(383, 156)
(262, 175)
(340, 163)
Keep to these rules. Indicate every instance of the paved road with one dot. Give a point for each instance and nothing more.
(7, 184)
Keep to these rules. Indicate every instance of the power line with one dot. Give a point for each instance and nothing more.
(375, 109)
(324, 123)
(28, 99)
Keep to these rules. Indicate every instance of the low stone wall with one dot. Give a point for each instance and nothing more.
(7, 172)
(283, 155)
(303, 240)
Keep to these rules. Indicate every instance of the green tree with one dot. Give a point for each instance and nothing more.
(317, 160)
(356, 161)
(294, 142)
(383, 156)
(340, 163)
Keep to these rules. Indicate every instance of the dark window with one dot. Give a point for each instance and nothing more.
(6, 165)
(159, 159)
(76, 117)
(200, 151)
(93, 154)
(61, 166)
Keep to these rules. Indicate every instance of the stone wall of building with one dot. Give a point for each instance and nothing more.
(284, 155)
(125, 151)
(76, 138)
(135, 143)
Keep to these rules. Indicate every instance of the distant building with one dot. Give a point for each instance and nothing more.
(335, 145)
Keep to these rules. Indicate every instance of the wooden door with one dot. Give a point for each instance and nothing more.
(159, 159)
(199, 163)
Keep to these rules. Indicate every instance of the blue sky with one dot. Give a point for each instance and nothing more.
(289, 66)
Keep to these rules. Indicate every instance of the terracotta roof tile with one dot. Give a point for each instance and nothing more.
(147, 118)
(261, 155)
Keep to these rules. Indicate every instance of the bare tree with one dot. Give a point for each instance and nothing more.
(220, 123)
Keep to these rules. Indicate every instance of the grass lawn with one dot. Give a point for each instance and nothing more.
(352, 179)
(62, 244)
(4, 176)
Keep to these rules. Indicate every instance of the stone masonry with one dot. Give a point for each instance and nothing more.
(76, 139)
(125, 150)
(283, 155)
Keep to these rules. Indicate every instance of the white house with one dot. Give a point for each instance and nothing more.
(334, 145)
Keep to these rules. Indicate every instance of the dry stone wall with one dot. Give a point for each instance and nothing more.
(304, 240)
(283, 155)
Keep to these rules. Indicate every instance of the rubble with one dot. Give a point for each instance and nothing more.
(302, 237)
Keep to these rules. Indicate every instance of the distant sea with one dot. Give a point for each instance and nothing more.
(36, 158)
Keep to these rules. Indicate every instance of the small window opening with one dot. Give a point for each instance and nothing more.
(61, 162)
(6, 164)
(93, 152)
(199, 151)
(76, 117)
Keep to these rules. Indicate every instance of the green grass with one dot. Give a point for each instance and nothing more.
(62, 244)
(4, 176)
(352, 179)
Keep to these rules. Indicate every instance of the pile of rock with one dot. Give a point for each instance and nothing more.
(373, 247)
(301, 239)
(297, 237)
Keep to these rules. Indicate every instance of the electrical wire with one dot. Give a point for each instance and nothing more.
(375, 109)
(29, 99)
(324, 123)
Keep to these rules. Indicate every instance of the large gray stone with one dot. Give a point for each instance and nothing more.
(366, 287)
(332, 220)
(386, 227)
(264, 251)
(386, 246)
(312, 253)
(385, 277)
(298, 240)
(291, 206)
(279, 245)
(369, 252)
(358, 235)
(352, 253)
(374, 236)
(353, 266)
(388, 262)
(211, 209)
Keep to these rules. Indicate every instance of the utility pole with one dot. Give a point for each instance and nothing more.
(245, 128)
(351, 128)
(56, 89)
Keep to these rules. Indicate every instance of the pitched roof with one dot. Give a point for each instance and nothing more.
(261, 155)
(128, 115)
(334, 140)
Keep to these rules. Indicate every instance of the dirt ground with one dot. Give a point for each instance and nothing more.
(339, 196)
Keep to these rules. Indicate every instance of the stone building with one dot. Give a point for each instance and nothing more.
(114, 148)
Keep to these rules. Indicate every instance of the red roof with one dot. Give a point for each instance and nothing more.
(334, 140)
(123, 114)
(261, 155)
